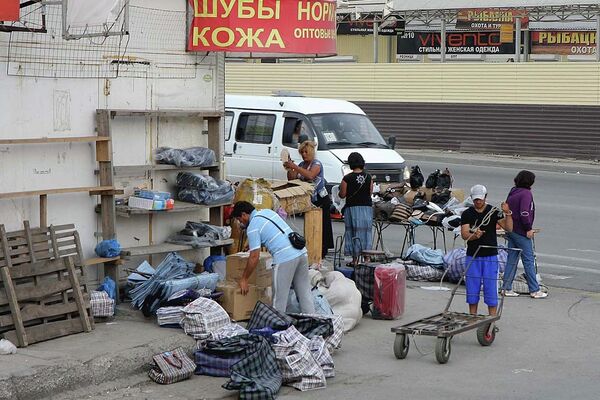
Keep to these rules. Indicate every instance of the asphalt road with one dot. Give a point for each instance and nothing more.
(567, 212)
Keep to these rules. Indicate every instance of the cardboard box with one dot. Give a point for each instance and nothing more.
(262, 275)
(238, 306)
(294, 196)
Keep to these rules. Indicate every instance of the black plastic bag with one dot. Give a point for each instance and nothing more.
(416, 178)
(444, 179)
(432, 179)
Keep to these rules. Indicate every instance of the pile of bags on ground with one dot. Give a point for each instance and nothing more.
(274, 349)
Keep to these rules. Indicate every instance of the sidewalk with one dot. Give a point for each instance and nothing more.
(532, 163)
(544, 349)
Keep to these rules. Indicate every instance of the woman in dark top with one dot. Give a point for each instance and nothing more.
(356, 188)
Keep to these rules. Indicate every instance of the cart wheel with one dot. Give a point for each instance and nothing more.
(442, 350)
(401, 345)
(486, 334)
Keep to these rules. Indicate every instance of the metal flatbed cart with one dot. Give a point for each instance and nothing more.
(449, 323)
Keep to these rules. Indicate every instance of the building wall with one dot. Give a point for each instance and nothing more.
(40, 106)
(361, 47)
(438, 101)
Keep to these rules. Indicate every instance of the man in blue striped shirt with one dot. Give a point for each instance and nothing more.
(290, 265)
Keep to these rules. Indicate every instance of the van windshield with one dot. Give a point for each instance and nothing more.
(345, 130)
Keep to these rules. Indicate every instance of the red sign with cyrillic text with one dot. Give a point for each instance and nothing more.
(9, 10)
(263, 26)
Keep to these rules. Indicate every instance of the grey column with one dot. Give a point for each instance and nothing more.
(518, 40)
(443, 41)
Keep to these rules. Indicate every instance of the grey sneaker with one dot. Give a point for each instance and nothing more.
(538, 295)
(510, 293)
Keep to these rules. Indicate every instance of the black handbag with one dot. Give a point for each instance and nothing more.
(297, 240)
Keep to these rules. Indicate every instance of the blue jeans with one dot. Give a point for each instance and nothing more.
(517, 241)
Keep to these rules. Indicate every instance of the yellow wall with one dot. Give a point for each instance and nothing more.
(361, 47)
(512, 83)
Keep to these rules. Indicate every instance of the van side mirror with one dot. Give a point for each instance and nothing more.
(392, 142)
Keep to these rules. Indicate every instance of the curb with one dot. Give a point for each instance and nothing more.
(66, 375)
(536, 164)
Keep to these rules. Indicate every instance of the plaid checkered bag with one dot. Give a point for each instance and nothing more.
(311, 325)
(321, 354)
(171, 366)
(364, 277)
(334, 341)
(296, 362)
(101, 304)
(257, 375)
(264, 316)
(202, 317)
(215, 364)
(416, 272)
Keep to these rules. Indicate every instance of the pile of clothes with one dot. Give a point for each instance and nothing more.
(425, 264)
(153, 289)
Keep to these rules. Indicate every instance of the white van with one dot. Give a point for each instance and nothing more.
(258, 128)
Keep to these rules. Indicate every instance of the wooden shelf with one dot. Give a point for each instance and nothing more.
(92, 190)
(128, 169)
(44, 140)
(166, 113)
(167, 248)
(100, 260)
(180, 206)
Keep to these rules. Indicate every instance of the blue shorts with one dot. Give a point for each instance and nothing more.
(482, 269)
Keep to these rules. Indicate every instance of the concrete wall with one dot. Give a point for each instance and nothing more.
(33, 107)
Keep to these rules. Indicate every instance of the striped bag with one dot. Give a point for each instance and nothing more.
(171, 366)
(402, 213)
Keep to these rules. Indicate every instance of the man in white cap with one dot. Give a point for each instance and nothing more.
(478, 228)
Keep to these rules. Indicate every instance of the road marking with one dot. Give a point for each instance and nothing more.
(518, 371)
(585, 250)
(586, 260)
(556, 277)
(571, 268)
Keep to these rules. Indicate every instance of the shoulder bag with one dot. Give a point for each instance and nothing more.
(297, 240)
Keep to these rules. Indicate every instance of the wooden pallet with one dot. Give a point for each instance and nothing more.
(43, 292)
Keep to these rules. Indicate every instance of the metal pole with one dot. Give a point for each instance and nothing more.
(443, 41)
(597, 37)
(518, 40)
(375, 41)
(526, 46)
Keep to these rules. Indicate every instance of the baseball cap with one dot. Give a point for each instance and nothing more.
(478, 192)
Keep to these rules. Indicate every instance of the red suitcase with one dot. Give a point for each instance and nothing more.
(389, 289)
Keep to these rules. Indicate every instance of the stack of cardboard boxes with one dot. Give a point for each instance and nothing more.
(238, 306)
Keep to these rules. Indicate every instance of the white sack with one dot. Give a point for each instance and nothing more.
(342, 295)
(6, 347)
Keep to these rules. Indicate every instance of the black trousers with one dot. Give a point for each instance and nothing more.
(327, 231)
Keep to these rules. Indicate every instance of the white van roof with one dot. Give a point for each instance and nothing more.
(304, 105)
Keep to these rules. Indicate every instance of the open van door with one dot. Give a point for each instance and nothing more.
(295, 126)
(251, 145)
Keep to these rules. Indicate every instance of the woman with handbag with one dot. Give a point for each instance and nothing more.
(356, 188)
(311, 170)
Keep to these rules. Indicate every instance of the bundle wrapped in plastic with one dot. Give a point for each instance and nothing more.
(203, 189)
(199, 234)
(204, 280)
(258, 192)
(190, 157)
